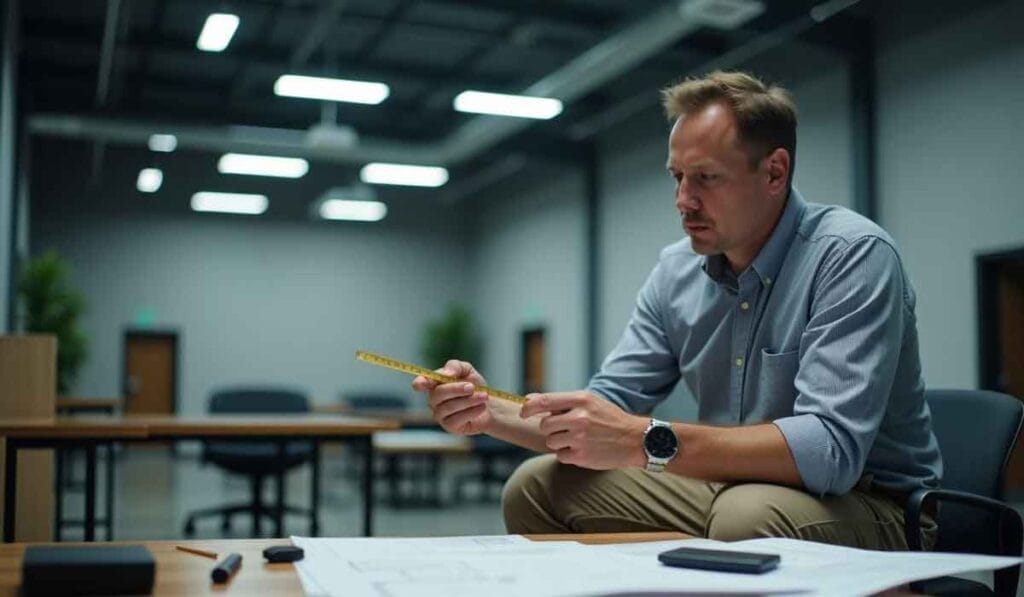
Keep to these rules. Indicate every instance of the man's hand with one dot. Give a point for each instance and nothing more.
(588, 431)
(456, 406)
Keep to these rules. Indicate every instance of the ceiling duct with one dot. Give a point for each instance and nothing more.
(597, 66)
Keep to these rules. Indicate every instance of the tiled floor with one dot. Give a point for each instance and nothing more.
(155, 491)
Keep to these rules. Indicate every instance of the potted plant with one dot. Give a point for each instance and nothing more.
(449, 337)
(51, 306)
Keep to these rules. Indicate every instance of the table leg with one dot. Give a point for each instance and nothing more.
(10, 488)
(58, 508)
(368, 481)
(90, 492)
(314, 497)
(279, 515)
(110, 491)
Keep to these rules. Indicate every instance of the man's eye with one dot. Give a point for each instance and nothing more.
(707, 177)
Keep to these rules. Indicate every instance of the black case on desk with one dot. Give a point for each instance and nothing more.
(87, 570)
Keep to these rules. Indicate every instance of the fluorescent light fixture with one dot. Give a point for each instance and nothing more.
(359, 211)
(521, 106)
(149, 180)
(403, 174)
(262, 165)
(338, 90)
(229, 203)
(217, 32)
(163, 143)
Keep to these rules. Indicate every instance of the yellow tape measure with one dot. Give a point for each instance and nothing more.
(381, 361)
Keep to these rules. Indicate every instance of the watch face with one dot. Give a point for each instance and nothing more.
(660, 442)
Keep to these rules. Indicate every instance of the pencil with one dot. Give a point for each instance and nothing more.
(199, 552)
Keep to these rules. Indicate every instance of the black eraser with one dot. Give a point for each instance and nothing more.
(283, 553)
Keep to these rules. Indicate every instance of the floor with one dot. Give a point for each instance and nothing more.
(154, 491)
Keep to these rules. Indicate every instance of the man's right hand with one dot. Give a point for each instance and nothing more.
(456, 406)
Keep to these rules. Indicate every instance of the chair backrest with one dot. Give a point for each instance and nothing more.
(976, 430)
(375, 401)
(257, 400)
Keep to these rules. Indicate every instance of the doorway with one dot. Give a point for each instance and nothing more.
(534, 355)
(1001, 337)
(150, 376)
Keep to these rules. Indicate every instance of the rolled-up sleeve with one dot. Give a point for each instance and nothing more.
(642, 369)
(848, 357)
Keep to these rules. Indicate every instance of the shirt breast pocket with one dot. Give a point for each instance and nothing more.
(778, 374)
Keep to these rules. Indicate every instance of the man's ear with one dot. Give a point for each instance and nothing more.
(778, 165)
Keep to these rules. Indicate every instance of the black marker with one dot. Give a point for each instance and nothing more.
(226, 567)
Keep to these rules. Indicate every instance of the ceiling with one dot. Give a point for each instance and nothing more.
(118, 70)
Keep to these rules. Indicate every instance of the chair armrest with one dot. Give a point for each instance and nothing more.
(1011, 528)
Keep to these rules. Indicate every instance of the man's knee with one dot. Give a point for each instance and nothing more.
(526, 498)
(748, 511)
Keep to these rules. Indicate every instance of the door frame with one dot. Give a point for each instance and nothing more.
(524, 333)
(987, 277)
(166, 334)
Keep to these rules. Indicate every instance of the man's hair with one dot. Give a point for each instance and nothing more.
(766, 115)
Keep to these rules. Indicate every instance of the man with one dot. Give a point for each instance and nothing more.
(792, 324)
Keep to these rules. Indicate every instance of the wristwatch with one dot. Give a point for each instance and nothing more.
(660, 444)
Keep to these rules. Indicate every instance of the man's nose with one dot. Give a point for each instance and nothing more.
(686, 200)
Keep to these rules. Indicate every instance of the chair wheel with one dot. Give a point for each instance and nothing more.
(190, 528)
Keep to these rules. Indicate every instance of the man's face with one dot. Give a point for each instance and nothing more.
(727, 206)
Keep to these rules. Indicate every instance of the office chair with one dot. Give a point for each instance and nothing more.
(256, 460)
(976, 431)
(498, 459)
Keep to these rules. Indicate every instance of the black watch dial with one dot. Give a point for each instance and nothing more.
(661, 442)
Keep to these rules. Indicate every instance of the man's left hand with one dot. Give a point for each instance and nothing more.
(588, 431)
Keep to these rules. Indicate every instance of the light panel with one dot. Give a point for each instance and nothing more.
(403, 174)
(229, 203)
(338, 90)
(262, 165)
(358, 211)
(217, 32)
(149, 180)
(163, 143)
(502, 104)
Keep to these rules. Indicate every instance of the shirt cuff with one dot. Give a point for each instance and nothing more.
(813, 453)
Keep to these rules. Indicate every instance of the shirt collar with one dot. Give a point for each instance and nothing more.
(769, 260)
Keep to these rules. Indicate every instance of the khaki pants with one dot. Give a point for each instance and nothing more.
(545, 496)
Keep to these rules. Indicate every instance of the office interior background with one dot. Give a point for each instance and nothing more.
(910, 112)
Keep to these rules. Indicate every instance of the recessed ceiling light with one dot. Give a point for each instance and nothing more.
(262, 165)
(149, 180)
(229, 203)
(403, 174)
(163, 143)
(359, 211)
(217, 32)
(338, 90)
(522, 106)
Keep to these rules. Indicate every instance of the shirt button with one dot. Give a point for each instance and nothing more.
(744, 305)
(767, 281)
(739, 362)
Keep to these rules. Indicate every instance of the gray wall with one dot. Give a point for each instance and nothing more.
(526, 266)
(950, 108)
(257, 301)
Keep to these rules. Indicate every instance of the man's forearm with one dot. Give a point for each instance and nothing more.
(753, 453)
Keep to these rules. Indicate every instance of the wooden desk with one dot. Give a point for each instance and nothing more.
(179, 573)
(68, 405)
(408, 418)
(88, 432)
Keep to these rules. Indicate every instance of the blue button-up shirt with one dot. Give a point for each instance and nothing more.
(818, 336)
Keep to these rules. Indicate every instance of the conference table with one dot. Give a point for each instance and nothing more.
(89, 432)
(179, 573)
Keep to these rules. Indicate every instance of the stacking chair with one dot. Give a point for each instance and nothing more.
(257, 460)
(976, 431)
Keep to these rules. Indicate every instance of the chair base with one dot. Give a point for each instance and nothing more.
(256, 510)
(949, 585)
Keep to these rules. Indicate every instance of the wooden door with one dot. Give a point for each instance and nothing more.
(1011, 352)
(533, 361)
(150, 372)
